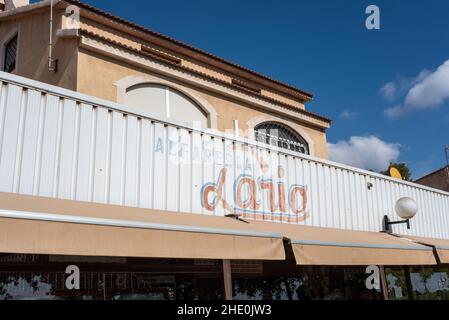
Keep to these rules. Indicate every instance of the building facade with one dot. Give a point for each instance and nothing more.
(438, 179)
(104, 56)
(154, 170)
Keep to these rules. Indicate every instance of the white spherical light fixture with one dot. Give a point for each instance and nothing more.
(406, 208)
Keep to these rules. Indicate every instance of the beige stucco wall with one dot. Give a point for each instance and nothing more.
(33, 49)
(97, 76)
(139, 39)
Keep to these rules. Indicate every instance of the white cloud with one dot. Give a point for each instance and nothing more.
(432, 91)
(348, 114)
(393, 90)
(427, 90)
(366, 152)
(396, 111)
(389, 90)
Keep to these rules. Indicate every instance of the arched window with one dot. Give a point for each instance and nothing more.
(281, 136)
(164, 103)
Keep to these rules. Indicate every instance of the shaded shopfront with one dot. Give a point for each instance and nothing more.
(42, 277)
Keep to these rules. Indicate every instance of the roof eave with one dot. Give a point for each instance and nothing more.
(206, 57)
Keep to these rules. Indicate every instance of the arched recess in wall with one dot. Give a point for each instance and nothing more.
(164, 102)
(281, 135)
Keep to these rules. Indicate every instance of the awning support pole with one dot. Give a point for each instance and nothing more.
(383, 282)
(227, 277)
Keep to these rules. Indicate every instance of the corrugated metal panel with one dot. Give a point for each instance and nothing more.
(63, 144)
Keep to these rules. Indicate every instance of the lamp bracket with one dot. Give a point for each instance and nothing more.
(387, 224)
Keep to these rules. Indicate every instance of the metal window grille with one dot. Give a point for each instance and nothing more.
(10, 56)
(281, 136)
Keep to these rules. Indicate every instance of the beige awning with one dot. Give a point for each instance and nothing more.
(441, 246)
(35, 225)
(325, 246)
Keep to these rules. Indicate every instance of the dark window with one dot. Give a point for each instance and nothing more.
(281, 136)
(10, 55)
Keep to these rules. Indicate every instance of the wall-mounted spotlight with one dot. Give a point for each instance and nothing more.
(406, 208)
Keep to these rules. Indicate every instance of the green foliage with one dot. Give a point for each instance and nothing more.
(402, 168)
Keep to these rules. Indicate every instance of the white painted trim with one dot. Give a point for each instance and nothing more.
(38, 216)
(167, 103)
(236, 127)
(294, 126)
(130, 81)
(79, 97)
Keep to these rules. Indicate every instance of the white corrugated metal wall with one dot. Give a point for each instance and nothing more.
(58, 143)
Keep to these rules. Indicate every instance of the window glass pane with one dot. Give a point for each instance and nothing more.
(120, 278)
(19, 286)
(322, 283)
(397, 285)
(199, 287)
(355, 285)
(286, 281)
(430, 284)
(273, 288)
(281, 136)
(110, 278)
(184, 110)
(164, 103)
(148, 100)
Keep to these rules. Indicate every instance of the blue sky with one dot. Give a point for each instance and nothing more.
(323, 47)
